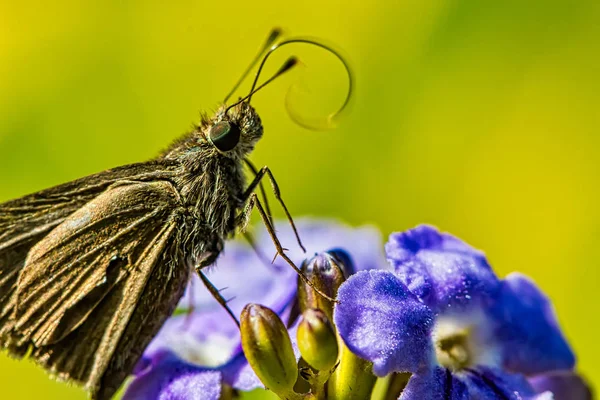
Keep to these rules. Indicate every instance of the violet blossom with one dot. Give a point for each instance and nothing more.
(443, 316)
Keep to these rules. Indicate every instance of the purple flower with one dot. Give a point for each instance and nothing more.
(440, 314)
(445, 317)
(198, 350)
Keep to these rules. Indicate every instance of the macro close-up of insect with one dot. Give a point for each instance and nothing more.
(90, 270)
(199, 202)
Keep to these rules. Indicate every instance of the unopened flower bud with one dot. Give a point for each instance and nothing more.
(317, 341)
(268, 348)
(344, 261)
(327, 271)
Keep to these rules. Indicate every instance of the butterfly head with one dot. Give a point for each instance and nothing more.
(235, 130)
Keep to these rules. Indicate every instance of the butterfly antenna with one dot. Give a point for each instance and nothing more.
(273, 36)
(314, 43)
(284, 68)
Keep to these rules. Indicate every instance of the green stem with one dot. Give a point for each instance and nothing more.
(381, 388)
(317, 383)
(291, 395)
(391, 386)
(353, 378)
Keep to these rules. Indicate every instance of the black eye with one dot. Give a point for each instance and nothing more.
(224, 136)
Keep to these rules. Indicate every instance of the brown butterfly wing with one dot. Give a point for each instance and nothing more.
(41, 211)
(25, 221)
(154, 305)
(12, 259)
(96, 289)
(83, 301)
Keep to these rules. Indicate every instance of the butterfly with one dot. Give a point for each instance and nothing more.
(91, 269)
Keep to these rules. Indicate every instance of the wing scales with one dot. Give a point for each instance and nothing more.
(72, 262)
(27, 220)
(103, 350)
(76, 264)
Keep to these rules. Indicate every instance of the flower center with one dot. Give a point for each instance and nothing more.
(453, 351)
(456, 339)
(465, 340)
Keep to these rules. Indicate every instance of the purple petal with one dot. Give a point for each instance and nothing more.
(364, 244)
(437, 384)
(403, 246)
(483, 384)
(527, 330)
(440, 269)
(243, 278)
(171, 379)
(208, 339)
(240, 375)
(492, 383)
(380, 320)
(202, 339)
(565, 385)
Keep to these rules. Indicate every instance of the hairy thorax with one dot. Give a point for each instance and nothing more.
(211, 190)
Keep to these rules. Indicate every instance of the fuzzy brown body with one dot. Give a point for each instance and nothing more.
(90, 270)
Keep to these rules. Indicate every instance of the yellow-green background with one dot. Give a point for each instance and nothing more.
(481, 117)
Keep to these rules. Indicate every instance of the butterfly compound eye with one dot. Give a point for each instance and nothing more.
(224, 136)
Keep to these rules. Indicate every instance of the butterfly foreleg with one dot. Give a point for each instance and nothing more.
(253, 202)
(263, 192)
(255, 182)
(216, 294)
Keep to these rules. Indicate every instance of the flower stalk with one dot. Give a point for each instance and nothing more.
(353, 379)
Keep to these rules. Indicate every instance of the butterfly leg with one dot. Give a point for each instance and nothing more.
(205, 262)
(250, 190)
(263, 193)
(217, 295)
(265, 260)
(254, 202)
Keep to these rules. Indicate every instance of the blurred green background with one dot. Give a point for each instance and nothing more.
(480, 117)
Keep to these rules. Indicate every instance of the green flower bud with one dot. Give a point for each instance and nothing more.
(268, 348)
(327, 272)
(317, 341)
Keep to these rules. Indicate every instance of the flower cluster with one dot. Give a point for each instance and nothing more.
(434, 322)
(444, 316)
(198, 354)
